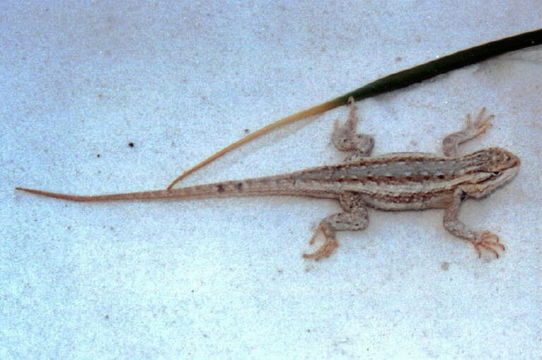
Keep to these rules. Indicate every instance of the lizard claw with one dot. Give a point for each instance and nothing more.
(327, 248)
(481, 124)
(486, 240)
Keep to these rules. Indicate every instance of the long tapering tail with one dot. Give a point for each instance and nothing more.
(272, 185)
(145, 195)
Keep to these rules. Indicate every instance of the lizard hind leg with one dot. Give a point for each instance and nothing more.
(345, 138)
(355, 217)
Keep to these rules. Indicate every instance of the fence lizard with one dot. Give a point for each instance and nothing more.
(396, 181)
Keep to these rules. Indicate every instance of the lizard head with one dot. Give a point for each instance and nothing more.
(496, 167)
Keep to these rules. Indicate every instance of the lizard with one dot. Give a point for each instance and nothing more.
(390, 182)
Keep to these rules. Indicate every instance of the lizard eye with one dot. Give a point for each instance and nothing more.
(496, 173)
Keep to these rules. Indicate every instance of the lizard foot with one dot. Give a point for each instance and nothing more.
(327, 248)
(481, 124)
(486, 240)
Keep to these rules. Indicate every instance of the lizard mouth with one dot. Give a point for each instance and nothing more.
(508, 160)
(496, 179)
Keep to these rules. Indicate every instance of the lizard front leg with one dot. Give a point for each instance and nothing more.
(345, 137)
(354, 217)
(450, 144)
(481, 240)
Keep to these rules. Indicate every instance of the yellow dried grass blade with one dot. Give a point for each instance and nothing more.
(266, 129)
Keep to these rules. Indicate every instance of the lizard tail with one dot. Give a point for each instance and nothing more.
(146, 195)
(262, 186)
